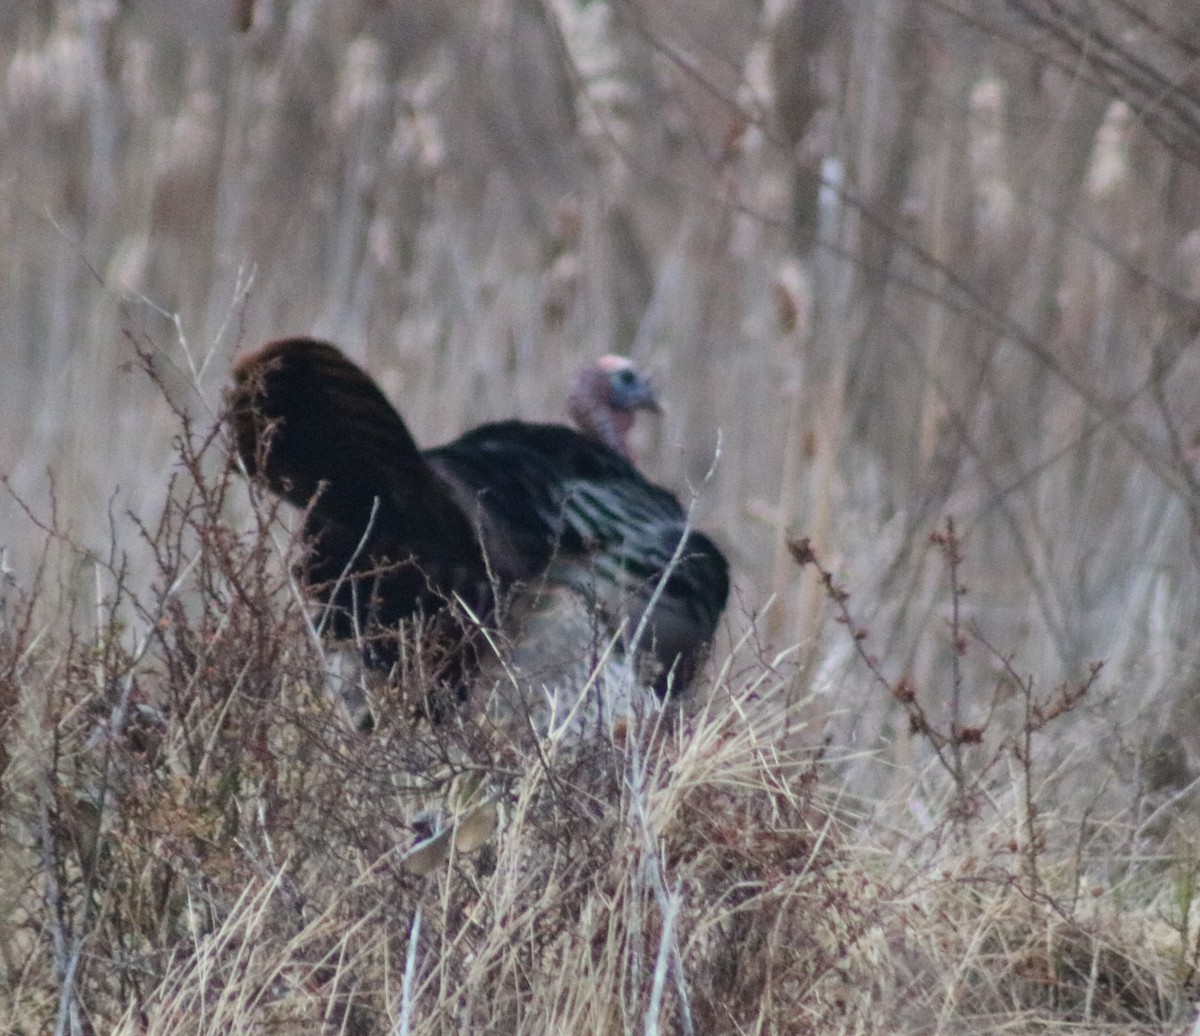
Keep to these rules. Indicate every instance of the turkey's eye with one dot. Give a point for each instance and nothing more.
(626, 378)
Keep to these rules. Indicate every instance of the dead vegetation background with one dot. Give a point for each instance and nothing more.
(893, 262)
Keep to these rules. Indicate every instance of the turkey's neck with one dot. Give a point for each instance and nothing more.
(598, 420)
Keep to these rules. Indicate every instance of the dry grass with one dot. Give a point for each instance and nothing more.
(893, 263)
(198, 840)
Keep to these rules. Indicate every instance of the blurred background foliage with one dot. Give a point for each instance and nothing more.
(891, 261)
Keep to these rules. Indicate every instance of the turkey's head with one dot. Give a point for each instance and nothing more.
(605, 398)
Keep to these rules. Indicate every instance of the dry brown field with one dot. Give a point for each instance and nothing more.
(919, 281)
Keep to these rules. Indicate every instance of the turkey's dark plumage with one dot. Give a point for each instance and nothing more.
(508, 507)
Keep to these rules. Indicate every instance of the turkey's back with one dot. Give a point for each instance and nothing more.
(577, 514)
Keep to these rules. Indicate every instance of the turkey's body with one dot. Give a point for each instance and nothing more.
(498, 523)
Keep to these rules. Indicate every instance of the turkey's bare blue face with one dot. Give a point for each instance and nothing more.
(629, 391)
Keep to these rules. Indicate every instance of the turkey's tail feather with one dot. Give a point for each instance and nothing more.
(388, 541)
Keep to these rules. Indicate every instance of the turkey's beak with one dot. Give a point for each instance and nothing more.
(646, 399)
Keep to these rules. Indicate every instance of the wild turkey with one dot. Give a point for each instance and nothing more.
(476, 528)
